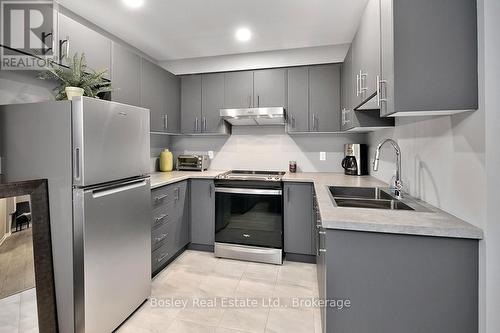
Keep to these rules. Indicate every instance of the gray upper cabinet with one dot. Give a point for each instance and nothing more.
(434, 70)
(238, 88)
(324, 98)
(298, 99)
(298, 217)
(269, 87)
(75, 37)
(191, 104)
(202, 212)
(212, 100)
(125, 75)
(160, 92)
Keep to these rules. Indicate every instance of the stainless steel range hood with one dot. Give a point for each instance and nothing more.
(254, 116)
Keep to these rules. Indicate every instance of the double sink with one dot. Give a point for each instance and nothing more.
(371, 197)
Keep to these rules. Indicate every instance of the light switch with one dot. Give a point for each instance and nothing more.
(210, 154)
(322, 156)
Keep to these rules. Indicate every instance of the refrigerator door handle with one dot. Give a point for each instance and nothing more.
(113, 189)
(77, 163)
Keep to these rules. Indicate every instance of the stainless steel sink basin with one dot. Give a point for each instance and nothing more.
(359, 192)
(372, 197)
(367, 203)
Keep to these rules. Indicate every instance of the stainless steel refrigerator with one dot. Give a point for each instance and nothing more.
(95, 155)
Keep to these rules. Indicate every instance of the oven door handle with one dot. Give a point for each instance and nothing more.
(247, 191)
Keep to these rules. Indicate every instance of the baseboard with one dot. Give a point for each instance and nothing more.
(201, 247)
(310, 259)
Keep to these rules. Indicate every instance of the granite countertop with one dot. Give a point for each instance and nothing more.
(433, 222)
(159, 179)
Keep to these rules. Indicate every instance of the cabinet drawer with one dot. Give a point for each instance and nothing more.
(163, 214)
(163, 234)
(161, 255)
(166, 194)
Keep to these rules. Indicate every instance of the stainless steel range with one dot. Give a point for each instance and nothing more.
(249, 216)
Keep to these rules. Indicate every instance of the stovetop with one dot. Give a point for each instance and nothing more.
(275, 176)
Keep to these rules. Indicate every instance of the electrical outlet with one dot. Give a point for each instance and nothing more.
(210, 154)
(322, 156)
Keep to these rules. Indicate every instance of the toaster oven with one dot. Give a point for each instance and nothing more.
(193, 162)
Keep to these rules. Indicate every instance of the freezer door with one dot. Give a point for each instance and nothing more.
(112, 253)
(110, 141)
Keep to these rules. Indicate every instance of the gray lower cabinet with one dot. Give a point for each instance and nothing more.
(324, 98)
(431, 68)
(269, 87)
(75, 37)
(397, 283)
(299, 219)
(191, 121)
(238, 88)
(202, 197)
(160, 93)
(298, 99)
(125, 75)
(170, 223)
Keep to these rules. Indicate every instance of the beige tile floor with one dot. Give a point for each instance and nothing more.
(198, 276)
(18, 313)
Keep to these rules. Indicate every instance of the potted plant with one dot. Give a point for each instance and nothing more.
(77, 79)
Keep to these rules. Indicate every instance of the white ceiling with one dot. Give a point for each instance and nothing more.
(180, 29)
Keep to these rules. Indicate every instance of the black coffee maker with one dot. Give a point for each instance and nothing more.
(355, 162)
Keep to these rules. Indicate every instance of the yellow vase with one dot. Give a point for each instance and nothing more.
(166, 160)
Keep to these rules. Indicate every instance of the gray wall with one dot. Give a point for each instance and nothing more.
(262, 148)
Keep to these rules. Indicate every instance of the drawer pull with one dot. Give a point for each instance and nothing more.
(161, 197)
(160, 259)
(162, 237)
(160, 218)
(322, 232)
(322, 250)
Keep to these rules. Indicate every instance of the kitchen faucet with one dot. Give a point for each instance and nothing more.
(398, 184)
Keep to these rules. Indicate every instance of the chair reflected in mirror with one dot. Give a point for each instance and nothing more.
(27, 294)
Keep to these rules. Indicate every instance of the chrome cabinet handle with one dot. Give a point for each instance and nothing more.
(379, 92)
(322, 232)
(177, 193)
(160, 218)
(293, 121)
(61, 44)
(165, 121)
(288, 194)
(362, 79)
(249, 101)
(322, 250)
(204, 124)
(210, 190)
(258, 100)
(162, 237)
(161, 197)
(357, 84)
(160, 259)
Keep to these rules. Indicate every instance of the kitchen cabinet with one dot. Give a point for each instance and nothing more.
(434, 70)
(298, 99)
(269, 87)
(354, 120)
(125, 75)
(324, 98)
(191, 104)
(366, 54)
(75, 37)
(398, 275)
(298, 217)
(160, 93)
(202, 196)
(212, 100)
(170, 223)
(238, 88)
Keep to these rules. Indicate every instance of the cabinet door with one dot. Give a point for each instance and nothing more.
(97, 48)
(202, 211)
(298, 224)
(126, 76)
(238, 89)
(368, 50)
(172, 101)
(324, 98)
(387, 58)
(181, 208)
(153, 94)
(269, 87)
(346, 88)
(298, 99)
(191, 104)
(212, 100)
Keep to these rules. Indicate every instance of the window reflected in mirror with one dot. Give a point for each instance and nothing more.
(17, 271)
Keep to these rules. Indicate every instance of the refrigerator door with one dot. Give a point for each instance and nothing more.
(110, 141)
(112, 253)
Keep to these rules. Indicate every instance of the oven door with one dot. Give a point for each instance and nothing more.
(249, 216)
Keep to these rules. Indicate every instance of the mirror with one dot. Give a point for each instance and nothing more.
(27, 298)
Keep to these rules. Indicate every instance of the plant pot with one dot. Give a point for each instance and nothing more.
(73, 92)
